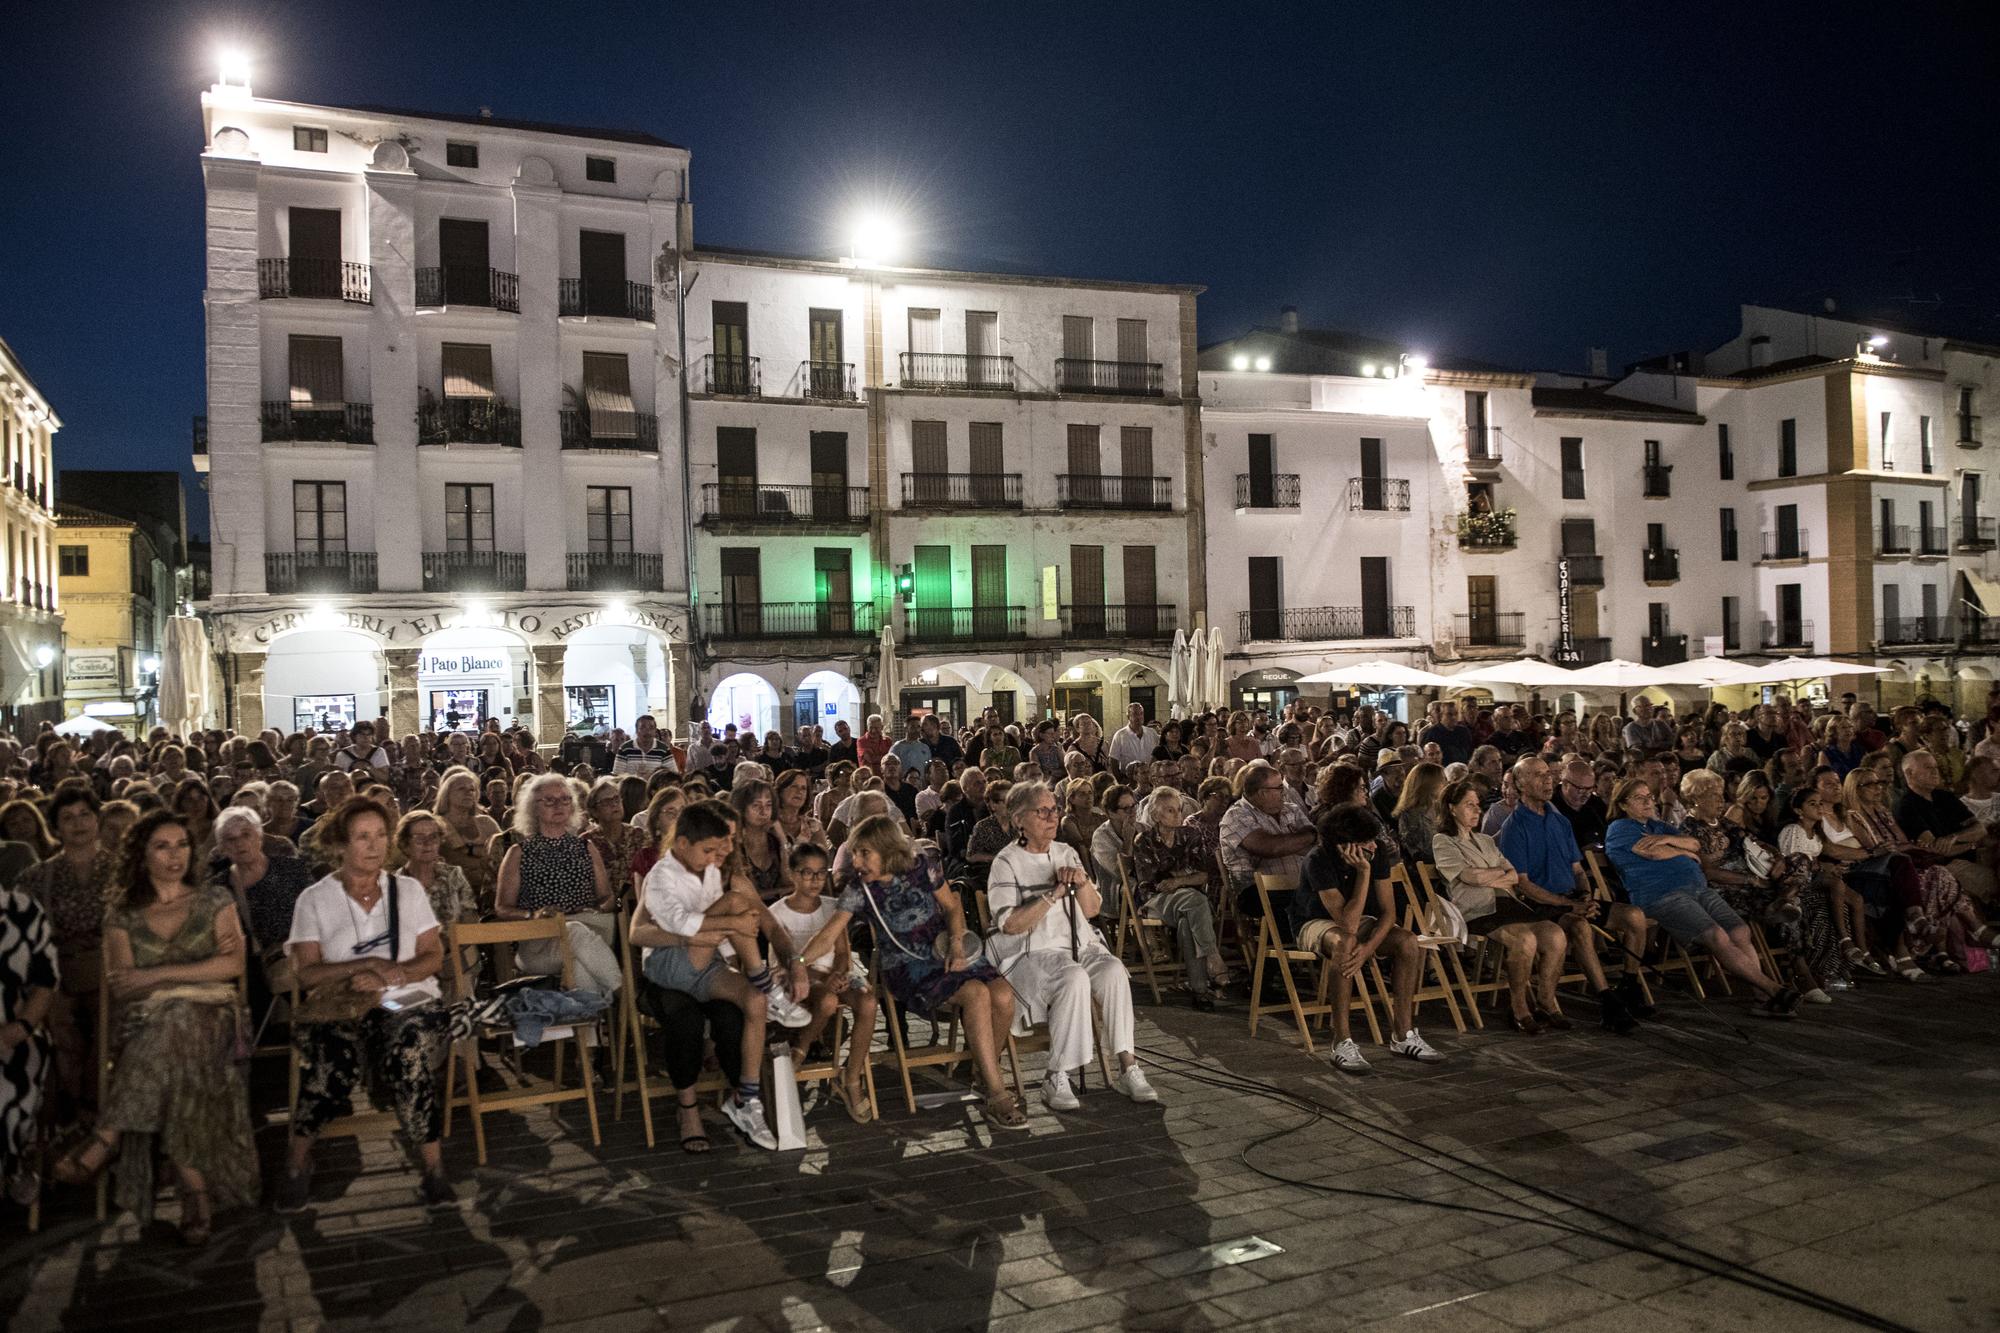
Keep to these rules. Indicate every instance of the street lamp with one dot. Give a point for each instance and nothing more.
(150, 666)
(234, 66)
(875, 237)
(44, 655)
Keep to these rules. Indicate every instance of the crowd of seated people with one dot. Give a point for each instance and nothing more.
(772, 882)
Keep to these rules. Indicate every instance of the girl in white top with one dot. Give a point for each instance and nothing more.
(837, 979)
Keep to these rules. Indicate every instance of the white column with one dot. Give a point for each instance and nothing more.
(392, 376)
(537, 241)
(235, 377)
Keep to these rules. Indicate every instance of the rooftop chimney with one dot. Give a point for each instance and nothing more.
(1600, 362)
(1288, 319)
(1760, 350)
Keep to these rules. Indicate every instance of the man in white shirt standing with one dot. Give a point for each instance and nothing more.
(1133, 742)
(1044, 944)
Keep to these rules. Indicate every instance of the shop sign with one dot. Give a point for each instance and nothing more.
(90, 668)
(546, 625)
(461, 664)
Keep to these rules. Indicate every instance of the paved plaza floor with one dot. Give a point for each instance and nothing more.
(1853, 1154)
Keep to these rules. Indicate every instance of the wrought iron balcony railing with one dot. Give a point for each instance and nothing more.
(1663, 649)
(1086, 491)
(1586, 571)
(606, 298)
(1502, 629)
(1659, 481)
(1267, 490)
(475, 571)
(614, 571)
(934, 624)
(1785, 635)
(319, 571)
(315, 280)
(1975, 533)
(1787, 544)
(789, 620)
(1119, 622)
(1142, 378)
(829, 380)
(630, 432)
(302, 423)
(726, 502)
(739, 375)
(1662, 563)
(466, 285)
(961, 490)
(469, 421)
(1915, 629)
(955, 370)
(1378, 495)
(1327, 623)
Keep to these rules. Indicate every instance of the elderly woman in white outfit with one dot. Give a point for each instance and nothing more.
(1042, 902)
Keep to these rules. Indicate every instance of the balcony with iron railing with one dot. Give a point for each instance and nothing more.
(1899, 631)
(1139, 378)
(1378, 495)
(1892, 541)
(961, 490)
(1486, 530)
(469, 421)
(475, 571)
(1785, 636)
(1659, 480)
(304, 423)
(1585, 570)
(1660, 650)
(614, 571)
(789, 620)
(956, 370)
(1482, 448)
(605, 298)
(828, 381)
(1979, 631)
(469, 286)
(1119, 623)
(319, 571)
(1968, 429)
(1501, 629)
(623, 432)
(740, 506)
(1326, 624)
(314, 280)
(1786, 546)
(1090, 491)
(1662, 564)
(1267, 490)
(735, 376)
(1975, 534)
(960, 624)
(1931, 543)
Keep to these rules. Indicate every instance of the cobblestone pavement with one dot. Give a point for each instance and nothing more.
(1854, 1153)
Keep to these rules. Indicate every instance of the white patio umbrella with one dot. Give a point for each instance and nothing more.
(1526, 672)
(1617, 674)
(1709, 672)
(1808, 668)
(1218, 687)
(1177, 675)
(888, 687)
(1377, 673)
(81, 727)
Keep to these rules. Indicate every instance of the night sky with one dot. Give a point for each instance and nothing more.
(1509, 182)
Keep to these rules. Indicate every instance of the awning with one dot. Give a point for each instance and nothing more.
(607, 393)
(1983, 594)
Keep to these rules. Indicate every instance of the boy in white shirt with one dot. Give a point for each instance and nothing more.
(836, 979)
(685, 897)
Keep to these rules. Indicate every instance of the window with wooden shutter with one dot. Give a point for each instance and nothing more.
(1142, 593)
(1086, 588)
(1266, 596)
(1135, 463)
(607, 395)
(1085, 483)
(742, 591)
(926, 333)
(828, 452)
(317, 373)
(736, 470)
(468, 518)
(468, 370)
(319, 516)
(314, 256)
(932, 616)
(1375, 618)
(989, 462)
(989, 591)
(1079, 338)
(930, 463)
(982, 334)
(608, 520)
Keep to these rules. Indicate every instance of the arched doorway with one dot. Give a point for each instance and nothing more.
(1104, 687)
(466, 675)
(745, 701)
(824, 698)
(612, 674)
(324, 679)
(958, 691)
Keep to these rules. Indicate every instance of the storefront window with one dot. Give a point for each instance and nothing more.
(457, 710)
(322, 712)
(589, 708)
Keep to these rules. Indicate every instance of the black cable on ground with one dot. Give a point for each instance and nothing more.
(1689, 1256)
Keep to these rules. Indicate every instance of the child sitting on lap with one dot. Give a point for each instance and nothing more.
(836, 980)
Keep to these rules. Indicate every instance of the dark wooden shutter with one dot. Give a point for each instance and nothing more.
(1263, 466)
(1375, 618)
(1266, 596)
(736, 470)
(1373, 493)
(1086, 590)
(731, 370)
(930, 463)
(1086, 486)
(1142, 593)
(315, 253)
(1579, 536)
(989, 463)
(317, 373)
(833, 589)
(829, 475)
(989, 591)
(463, 255)
(607, 394)
(742, 592)
(1135, 465)
(931, 617)
(601, 265)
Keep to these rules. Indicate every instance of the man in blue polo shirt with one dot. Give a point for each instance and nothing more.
(1538, 841)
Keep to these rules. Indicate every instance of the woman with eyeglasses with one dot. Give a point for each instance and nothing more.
(1939, 918)
(552, 869)
(1173, 864)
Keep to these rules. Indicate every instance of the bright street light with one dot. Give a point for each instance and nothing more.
(234, 65)
(44, 655)
(876, 237)
(150, 665)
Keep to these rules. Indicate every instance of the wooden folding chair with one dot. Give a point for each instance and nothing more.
(1441, 981)
(1037, 1037)
(1674, 956)
(1229, 923)
(353, 1125)
(1272, 948)
(947, 1052)
(466, 1053)
(630, 1039)
(1133, 926)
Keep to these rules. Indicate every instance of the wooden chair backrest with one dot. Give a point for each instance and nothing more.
(1267, 885)
(480, 934)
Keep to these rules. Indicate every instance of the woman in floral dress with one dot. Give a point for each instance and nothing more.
(902, 894)
(27, 990)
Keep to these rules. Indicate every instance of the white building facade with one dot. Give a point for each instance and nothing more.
(31, 623)
(436, 380)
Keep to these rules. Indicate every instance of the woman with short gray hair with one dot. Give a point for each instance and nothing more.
(1171, 877)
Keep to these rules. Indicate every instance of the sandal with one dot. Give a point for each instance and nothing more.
(1003, 1111)
(78, 1167)
(1945, 965)
(1907, 969)
(696, 1142)
(854, 1099)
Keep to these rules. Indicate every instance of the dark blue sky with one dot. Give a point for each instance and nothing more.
(1508, 182)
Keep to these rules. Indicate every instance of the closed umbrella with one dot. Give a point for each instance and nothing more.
(184, 688)
(1196, 667)
(1218, 687)
(888, 686)
(1177, 675)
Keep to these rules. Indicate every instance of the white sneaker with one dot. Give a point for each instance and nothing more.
(1132, 1082)
(748, 1117)
(1413, 1045)
(1839, 985)
(1817, 996)
(1347, 1059)
(1057, 1094)
(783, 1010)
